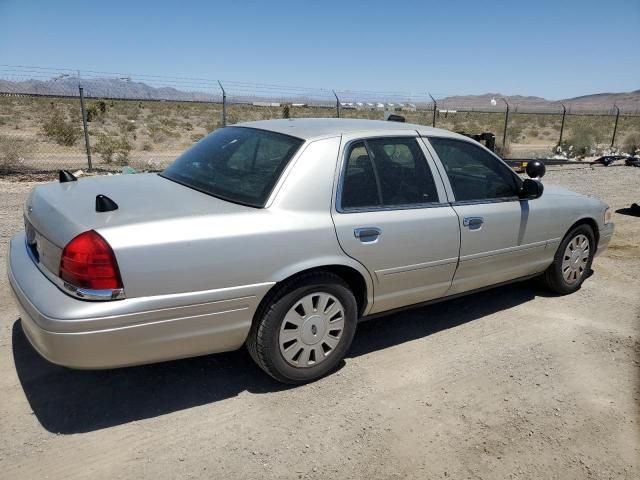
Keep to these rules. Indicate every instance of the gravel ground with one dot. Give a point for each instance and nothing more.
(508, 383)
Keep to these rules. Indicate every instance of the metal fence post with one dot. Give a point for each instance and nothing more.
(84, 126)
(506, 122)
(337, 103)
(224, 105)
(435, 107)
(615, 126)
(564, 114)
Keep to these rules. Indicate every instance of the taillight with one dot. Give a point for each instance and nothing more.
(88, 262)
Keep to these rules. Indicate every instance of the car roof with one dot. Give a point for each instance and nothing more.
(309, 128)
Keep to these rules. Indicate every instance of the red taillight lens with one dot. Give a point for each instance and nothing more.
(88, 262)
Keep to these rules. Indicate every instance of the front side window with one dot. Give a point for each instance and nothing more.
(387, 172)
(474, 174)
(237, 164)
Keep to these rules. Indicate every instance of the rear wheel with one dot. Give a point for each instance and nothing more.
(305, 328)
(572, 261)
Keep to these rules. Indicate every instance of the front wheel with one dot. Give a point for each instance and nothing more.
(305, 329)
(572, 261)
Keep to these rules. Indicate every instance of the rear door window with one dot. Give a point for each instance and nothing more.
(387, 172)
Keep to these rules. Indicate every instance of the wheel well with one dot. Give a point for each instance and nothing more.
(351, 276)
(592, 223)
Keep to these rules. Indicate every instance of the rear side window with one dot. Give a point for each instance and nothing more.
(361, 186)
(237, 164)
(474, 174)
(387, 172)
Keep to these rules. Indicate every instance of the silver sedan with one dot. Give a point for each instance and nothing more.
(281, 235)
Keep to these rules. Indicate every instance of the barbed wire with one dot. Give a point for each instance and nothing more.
(19, 79)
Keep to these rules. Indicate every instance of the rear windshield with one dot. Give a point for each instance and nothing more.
(238, 164)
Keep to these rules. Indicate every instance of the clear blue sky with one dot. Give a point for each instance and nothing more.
(555, 49)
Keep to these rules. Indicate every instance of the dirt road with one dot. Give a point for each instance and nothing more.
(509, 383)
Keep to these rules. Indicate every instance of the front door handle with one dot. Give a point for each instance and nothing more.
(474, 223)
(367, 234)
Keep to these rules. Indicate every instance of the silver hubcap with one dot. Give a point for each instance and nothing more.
(574, 261)
(311, 329)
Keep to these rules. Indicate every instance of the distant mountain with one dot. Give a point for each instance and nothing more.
(122, 88)
(628, 102)
(625, 100)
(103, 87)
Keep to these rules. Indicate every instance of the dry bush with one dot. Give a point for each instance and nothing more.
(12, 152)
(631, 143)
(113, 148)
(60, 130)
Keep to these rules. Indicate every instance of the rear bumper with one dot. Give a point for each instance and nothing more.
(606, 233)
(92, 335)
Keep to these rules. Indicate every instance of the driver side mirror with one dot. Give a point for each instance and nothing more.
(531, 189)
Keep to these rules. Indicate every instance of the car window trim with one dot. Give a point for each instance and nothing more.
(483, 201)
(445, 177)
(375, 171)
(343, 169)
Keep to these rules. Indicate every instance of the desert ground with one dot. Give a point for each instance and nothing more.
(508, 383)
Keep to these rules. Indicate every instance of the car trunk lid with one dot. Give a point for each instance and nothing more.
(55, 213)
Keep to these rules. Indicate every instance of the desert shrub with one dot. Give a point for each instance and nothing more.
(12, 151)
(113, 148)
(92, 113)
(60, 130)
(564, 149)
(631, 143)
(583, 139)
(147, 147)
(96, 110)
(126, 126)
(211, 126)
(160, 134)
(168, 122)
(504, 151)
(514, 131)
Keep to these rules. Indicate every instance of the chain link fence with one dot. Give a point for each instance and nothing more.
(146, 121)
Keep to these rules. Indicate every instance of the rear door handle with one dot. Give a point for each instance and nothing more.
(367, 234)
(474, 223)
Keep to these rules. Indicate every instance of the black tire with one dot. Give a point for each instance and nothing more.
(263, 340)
(553, 277)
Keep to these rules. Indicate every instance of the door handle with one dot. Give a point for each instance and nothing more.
(474, 223)
(367, 234)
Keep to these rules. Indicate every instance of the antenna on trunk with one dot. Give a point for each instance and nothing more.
(105, 204)
(66, 176)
